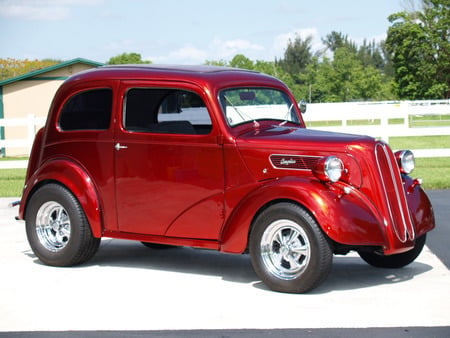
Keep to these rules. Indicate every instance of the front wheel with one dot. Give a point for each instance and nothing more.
(57, 229)
(394, 261)
(288, 250)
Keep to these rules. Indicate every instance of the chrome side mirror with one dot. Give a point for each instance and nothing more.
(302, 106)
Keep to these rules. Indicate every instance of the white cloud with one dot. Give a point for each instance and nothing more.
(217, 49)
(41, 10)
(225, 50)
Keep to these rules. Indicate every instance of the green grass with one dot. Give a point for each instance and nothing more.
(435, 172)
(13, 158)
(422, 142)
(11, 182)
(414, 121)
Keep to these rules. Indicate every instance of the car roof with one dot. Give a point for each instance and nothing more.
(213, 75)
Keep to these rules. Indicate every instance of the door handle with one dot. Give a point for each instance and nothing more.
(118, 146)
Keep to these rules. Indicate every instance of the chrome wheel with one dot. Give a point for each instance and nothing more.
(285, 249)
(53, 226)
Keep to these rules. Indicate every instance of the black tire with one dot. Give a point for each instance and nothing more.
(394, 261)
(57, 229)
(157, 246)
(288, 250)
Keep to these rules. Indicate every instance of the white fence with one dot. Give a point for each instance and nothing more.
(343, 114)
(32, 124)
(356, 118)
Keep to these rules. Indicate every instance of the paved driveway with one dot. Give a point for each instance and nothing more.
(130, 287)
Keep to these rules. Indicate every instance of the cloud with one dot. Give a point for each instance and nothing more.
(217, 49)
(182, 55)
(40, 10)
(281, 41)
(220, 49)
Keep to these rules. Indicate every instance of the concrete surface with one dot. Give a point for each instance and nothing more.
(127, 286)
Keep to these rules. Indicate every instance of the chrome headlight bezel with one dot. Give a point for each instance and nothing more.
(329, 169)
(406, 161)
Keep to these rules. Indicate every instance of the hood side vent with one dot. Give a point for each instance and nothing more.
(295, 162)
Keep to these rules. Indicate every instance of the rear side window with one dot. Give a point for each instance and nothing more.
(89, 110)
(168, 111)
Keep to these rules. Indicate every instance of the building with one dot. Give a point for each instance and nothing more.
(31, 94)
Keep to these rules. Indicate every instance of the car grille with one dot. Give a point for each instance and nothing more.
(395, 199)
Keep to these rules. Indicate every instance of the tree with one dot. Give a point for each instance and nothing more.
(13, 67)
(241, 61)
(127, 58)
(419, 44)
(297, 55)
(336, 40)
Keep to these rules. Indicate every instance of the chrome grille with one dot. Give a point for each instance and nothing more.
(394, 193)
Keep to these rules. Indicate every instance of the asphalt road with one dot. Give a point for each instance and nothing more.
(439, 239)
(130, 290)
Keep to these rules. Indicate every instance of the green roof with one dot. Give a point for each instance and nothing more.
(49, 69)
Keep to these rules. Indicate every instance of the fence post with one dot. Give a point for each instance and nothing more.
(384, 127)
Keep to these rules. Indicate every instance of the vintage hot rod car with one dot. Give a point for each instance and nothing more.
(215, 158)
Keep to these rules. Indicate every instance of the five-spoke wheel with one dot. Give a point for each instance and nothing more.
(289, 252)
(57, 229)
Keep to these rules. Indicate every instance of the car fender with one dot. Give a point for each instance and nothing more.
(75, 178)
(344, 217)
(420, 207)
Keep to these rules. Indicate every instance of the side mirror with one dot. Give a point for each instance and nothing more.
(302, 106)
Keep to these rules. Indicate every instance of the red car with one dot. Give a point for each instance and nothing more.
(215, 158)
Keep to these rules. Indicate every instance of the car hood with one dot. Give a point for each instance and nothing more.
(299, 139)
(260, 150)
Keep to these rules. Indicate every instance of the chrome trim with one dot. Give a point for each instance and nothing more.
(400, 198)
(291, 157)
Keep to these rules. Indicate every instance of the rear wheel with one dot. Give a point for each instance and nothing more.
(57, 229)
(288, 250)
(379, 260)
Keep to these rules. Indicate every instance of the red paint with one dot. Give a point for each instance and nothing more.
(204, 190)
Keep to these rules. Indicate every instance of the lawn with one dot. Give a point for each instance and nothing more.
(11, 182)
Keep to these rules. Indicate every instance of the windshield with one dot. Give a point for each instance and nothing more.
(242, 105)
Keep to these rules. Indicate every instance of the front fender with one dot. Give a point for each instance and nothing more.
(420, 207)
(74, 178)
(345, 218)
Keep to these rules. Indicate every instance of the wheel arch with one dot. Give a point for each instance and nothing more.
(73, 177)
(344, 218)
(235, 234)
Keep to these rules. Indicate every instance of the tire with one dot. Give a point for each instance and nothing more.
(57, 229)
(288, 250)
(394, 261)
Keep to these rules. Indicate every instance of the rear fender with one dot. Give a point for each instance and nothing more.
(343, 217)
(74, 178)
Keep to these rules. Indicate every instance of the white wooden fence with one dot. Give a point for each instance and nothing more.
(32, 124)
(340, 116)
(356, 118)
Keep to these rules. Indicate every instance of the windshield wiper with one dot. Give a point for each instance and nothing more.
(241, 114)
(286, 117)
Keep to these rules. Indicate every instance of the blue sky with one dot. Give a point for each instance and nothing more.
(181, 31)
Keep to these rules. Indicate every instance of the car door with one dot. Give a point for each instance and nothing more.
(169, 174)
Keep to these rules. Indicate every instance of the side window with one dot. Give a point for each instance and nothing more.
(89, 110)
(169, 111)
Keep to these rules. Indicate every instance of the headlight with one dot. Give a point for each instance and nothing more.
(405, 160)
(329, 169)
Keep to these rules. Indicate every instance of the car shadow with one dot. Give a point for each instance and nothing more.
(348, 272)
(351, 272)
